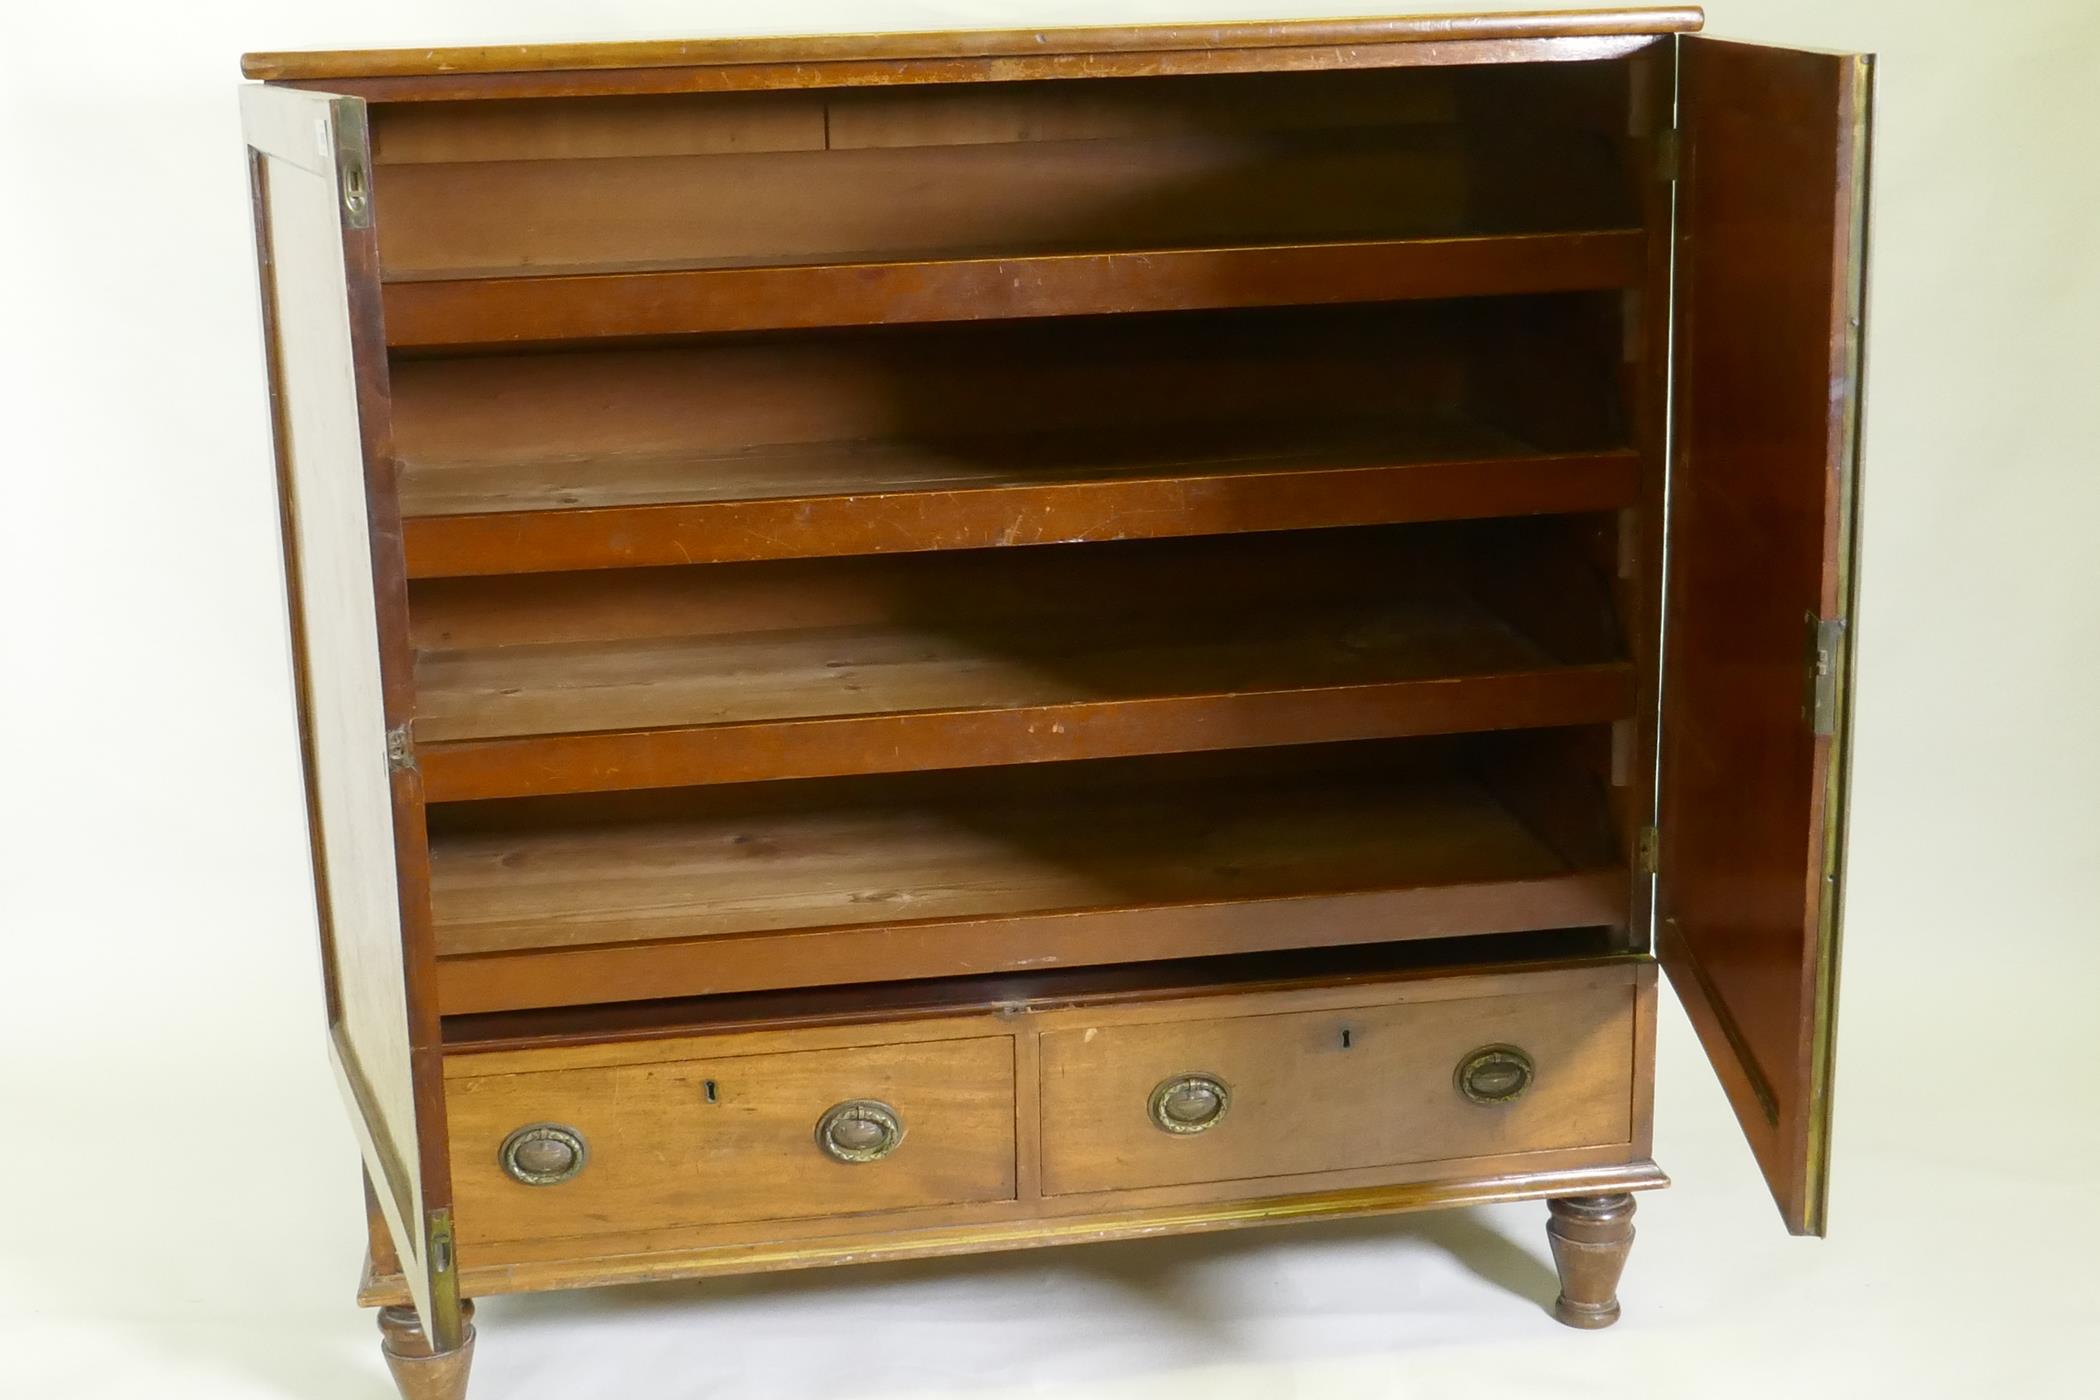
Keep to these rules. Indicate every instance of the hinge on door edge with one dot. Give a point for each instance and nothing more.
(400, 750)
(1819, 706)
(1647, 851)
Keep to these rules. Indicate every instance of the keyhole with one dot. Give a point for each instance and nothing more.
(708, 1090)
(1348, 1037)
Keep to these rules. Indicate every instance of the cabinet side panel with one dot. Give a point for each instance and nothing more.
(343, 571)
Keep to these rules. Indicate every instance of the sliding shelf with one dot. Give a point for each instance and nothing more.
(901, 695)
(530, 513)
(449, 312)
(950, 880)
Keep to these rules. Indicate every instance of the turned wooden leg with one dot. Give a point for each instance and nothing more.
(419, 1372)
(1591, 1236)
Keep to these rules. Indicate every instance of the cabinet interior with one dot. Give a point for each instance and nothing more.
(494, 189)
(747, 887)
(1217, 544)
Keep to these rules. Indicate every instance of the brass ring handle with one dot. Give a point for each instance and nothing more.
(1190, 1103)
(1494, 1074)
(543, 1154)
(859, 1130)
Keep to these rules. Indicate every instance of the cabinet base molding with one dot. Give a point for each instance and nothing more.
(585, 1270)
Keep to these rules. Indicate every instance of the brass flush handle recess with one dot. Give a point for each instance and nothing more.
(354, 194)
(1495, 1074)
(859, 1130)
(543, 1154)
(1190, 1103)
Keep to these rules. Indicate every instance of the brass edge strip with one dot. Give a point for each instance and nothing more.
(1837, 781)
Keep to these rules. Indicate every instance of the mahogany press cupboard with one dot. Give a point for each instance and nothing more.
(924, 643)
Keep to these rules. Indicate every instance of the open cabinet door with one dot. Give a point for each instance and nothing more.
(1770, 229)
(309, 158)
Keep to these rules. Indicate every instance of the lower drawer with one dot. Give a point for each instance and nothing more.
(1076, 1110)
(1131, 1101)
(579, 1151)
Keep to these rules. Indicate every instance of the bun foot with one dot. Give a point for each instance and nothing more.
(1591, 1237)
(419, 1372)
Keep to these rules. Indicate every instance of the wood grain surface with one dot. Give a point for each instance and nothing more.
(732, 1139)
(988, 43)
(727, 890)
(1328, 1090)
(1575, 1016)
(563, 308)
(1771, 252)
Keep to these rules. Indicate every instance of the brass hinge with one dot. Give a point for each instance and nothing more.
(1647, 851)
(400, 750)
(1826, 642)
(1669, 155)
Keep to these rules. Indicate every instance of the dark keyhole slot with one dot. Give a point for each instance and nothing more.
(1348, 1036)
(709, 1089)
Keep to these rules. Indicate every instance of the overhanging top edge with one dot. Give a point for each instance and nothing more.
(302, 66)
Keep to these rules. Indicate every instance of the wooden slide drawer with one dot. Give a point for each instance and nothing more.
(1185, 1101)
(729, 1139)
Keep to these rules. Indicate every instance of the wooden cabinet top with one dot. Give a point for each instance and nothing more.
(1156, 49)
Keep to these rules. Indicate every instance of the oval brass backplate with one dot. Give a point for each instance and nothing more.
(1190, 1103)
(859, 1130)
(543, 1154)
(1494, 1074)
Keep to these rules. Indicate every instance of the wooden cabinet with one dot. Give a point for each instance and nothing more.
(925, 643)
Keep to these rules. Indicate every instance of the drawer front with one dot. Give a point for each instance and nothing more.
(1183, 1102)
(718, 1141)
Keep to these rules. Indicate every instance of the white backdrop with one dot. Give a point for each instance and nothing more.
(181, 1211)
